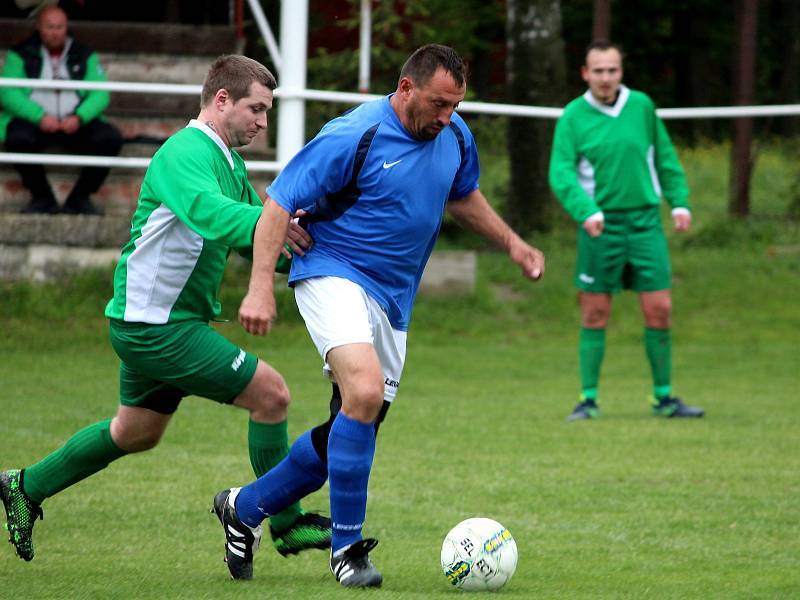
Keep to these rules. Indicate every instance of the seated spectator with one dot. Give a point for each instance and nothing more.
(33, 120)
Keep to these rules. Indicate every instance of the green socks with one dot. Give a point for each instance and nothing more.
(658, 345)
(269, 444)
(91, 449)
(88, 451)
(591, 349)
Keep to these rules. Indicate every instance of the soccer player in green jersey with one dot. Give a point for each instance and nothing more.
(195, 206)
(612, 160)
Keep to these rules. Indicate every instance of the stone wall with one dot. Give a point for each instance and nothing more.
(46, 247)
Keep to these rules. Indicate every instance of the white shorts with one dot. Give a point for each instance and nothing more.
(338, 311)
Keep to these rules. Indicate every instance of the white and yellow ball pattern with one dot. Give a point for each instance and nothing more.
(479, 554)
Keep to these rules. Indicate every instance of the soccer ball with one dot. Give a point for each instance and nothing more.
(479, 554)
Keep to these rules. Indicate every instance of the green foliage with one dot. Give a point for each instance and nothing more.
(471, 26)
(398, 29)
(773, 194)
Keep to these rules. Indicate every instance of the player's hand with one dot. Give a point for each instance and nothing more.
(70, 124)
(298, 238)
(49, 124)
(594, 226)
(682, 221)
(530, 260)
(257, 312)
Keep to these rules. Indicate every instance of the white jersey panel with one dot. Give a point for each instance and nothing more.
(651, 165)
(586, 176)
(159, 267)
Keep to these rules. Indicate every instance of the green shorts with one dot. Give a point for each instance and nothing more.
(163, 363)
(631, 253)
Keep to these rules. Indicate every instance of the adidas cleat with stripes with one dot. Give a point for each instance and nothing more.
(353, 568)
(21, 513)
(241, 541)
(309, 530)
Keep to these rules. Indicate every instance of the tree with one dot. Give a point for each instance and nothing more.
(536, 75)
(601, 22)
(744, 84)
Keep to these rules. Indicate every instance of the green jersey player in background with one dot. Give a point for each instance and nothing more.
(612, 160)
(195, 206)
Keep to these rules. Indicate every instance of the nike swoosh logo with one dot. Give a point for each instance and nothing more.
(391, 164)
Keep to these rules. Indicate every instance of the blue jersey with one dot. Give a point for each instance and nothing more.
(377, 197)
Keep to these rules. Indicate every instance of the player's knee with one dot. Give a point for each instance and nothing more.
(278, 397)
(133, 439)
(269, 400)
(370, 393)
(658, 314)
(364, 400)
(595, 318)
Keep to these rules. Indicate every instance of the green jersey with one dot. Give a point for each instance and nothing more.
(195, 205)
(616, 157)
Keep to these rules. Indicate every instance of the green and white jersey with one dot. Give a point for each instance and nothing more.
(616, 157)
(194, 206)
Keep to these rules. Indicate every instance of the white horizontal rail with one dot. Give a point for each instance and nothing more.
(77, 160)
(727, 112)
(707, 112)
(111, 86)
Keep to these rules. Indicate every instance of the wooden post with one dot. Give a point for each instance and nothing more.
(744, 85)
(601, 22)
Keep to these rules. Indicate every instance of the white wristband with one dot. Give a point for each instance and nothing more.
(598, 216)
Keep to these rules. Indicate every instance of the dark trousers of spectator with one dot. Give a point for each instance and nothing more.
(96, 137)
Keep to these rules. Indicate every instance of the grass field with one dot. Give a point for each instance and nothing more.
(629, 506)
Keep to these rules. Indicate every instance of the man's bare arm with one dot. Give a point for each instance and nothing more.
(474, 212)
(258, 310)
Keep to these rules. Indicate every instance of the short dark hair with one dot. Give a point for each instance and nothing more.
(602, 46)
(234, 73)
(425, 61)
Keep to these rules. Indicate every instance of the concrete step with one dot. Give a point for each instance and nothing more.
(86, 231)
(113, 36)
(149, 130)
(117, 196)
(155, 68)
(43, 247)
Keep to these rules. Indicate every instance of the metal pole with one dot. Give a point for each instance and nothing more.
(365, 46)
(266, 32)
(292, 109)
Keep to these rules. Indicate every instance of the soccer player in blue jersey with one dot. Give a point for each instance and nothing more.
(375, 183)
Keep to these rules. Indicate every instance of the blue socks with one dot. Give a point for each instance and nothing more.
(299, 474)
(351, 447)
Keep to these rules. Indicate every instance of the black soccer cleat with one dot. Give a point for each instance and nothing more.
(309, 530)
(673, 407)
(21, 512)
(586, 409)
(353, 568)
(241, 541)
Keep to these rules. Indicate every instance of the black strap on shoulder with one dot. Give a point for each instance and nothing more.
(462, 146)
(334, 205)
